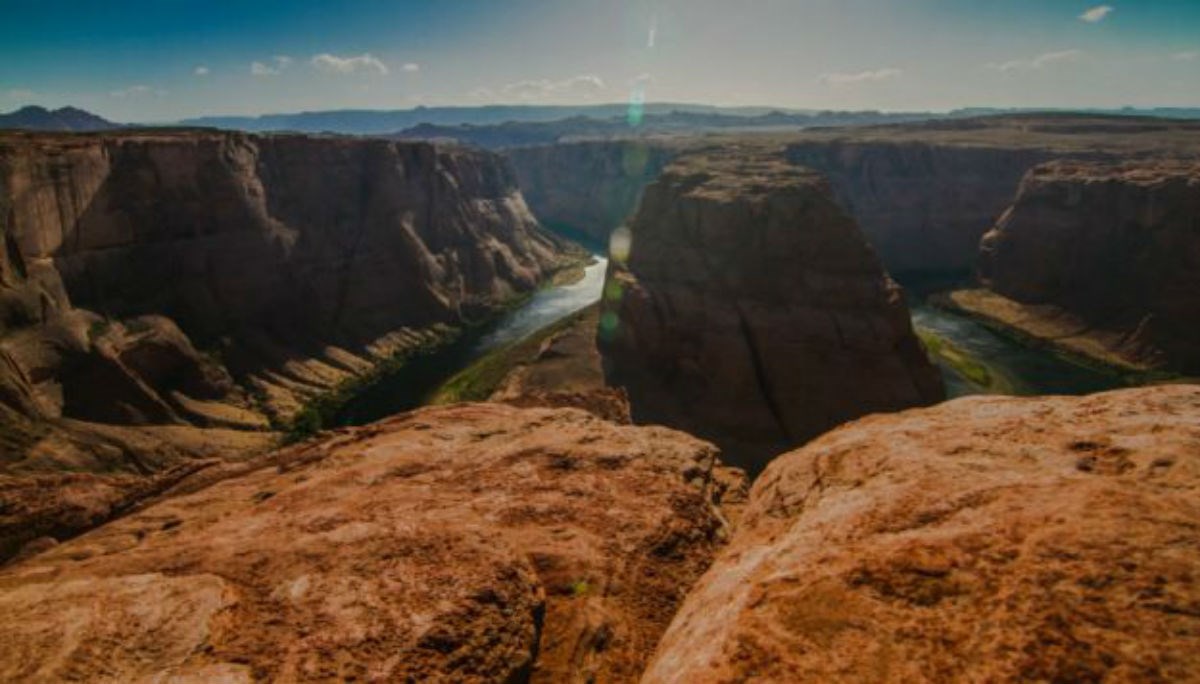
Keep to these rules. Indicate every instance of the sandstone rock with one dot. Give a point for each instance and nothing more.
(1115, 246)
(566, 372)
(169, 283)
(272, 248)
(751, 311)
(477, 542)
(588, 188)
(986, 539)
(922, 205)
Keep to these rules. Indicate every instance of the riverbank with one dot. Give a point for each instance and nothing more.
(416, 382)
(1056, 331)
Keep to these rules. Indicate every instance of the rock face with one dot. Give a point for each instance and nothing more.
(751, 311)
(923, 206)
(171, 284)
(986, 539)
(1116, 247)
(472, 543)
(588, 188)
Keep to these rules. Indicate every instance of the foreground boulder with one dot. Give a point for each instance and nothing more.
(468, 543)
(986, 539)
(750, 311)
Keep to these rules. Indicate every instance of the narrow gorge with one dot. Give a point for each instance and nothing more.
(172, 297)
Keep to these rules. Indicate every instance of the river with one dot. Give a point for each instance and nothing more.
(1021, 369)
(412, 385)
(1024, 370)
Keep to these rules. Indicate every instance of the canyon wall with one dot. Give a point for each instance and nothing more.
(588, 188)
(749, 309)
(182, 281)
(986, 539)
(1114, 248)
(923, 206)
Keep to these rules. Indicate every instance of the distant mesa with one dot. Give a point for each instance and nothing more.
(35, 118)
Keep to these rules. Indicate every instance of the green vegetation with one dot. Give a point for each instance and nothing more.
(478, 381)
(99, 329)
(579, 588)
(974, 371)
(319, 413)
(475, 383)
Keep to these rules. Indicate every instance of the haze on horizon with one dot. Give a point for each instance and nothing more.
(162, 60)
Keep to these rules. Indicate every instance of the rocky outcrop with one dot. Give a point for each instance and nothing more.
(155, 285)
(587, 189)
(750, 310)
(986, 539)
(1111, 252)
(922, 205)
(478, 542)
(270, 249)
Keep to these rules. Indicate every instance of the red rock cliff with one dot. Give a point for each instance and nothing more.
(752, 312)
(1116, 246)
(923, 206)
(588, 188)
(200, 280)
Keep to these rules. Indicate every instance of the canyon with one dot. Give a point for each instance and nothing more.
(737, 465)
(925, 194)
(170, 297)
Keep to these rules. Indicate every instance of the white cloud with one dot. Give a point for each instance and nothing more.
(860, 77)
(1096, 14)
(411, 67)
(133, 91)
(1187, 56)
(1039, 62)
(582, 85)
(200, 70)
(281, 62)
(653, 34)
(348, 65)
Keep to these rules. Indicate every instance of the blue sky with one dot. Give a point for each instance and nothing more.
(157, 60)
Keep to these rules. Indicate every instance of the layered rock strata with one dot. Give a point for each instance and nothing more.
(923, 206)
(986, 539)
(156, 287)
(1103, 260)
(473, 543)
(750, 310)
(588, 188)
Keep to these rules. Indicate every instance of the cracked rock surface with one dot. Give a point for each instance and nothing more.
(472, 543)
(986, 539)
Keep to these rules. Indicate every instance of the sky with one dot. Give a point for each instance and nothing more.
(162, 60)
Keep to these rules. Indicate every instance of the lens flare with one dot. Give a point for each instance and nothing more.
(634, 160)
(620, 244)
(637, 106)
(608, 325)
